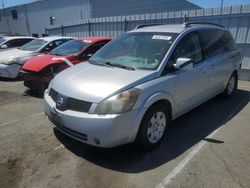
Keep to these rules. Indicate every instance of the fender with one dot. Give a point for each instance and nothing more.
(146, 104)
(160, 96)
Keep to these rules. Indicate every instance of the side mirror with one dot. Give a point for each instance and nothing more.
(46, 50)
(4, 46)
(184, 64)
(89, 55)
(86, 56)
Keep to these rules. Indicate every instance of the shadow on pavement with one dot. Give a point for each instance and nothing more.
(10, 79)
(33, 93)
(186, 131)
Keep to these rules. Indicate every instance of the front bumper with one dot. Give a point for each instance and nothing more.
(33, 80)
(33, 76)
(9, 71)
(99, 130)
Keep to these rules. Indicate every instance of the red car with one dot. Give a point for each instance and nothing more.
(38, 71)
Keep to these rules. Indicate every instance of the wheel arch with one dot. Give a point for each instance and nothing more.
(157, 98)
(160, 98)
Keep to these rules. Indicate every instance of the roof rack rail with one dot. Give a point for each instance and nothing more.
(146, 25)
(187, 24)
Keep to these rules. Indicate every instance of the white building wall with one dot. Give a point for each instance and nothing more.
(35, 17)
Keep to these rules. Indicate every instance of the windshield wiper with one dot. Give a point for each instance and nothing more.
(119, 65)
(55, 54)
(94, 62)
(109, 64)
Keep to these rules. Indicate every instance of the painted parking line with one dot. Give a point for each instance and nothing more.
(244, 87)
(19, 120)
(191, 155)
(59, 147)
(184, 162)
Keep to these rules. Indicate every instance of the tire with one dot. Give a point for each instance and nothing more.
(231, 86)
(150, 135)
(38, 87)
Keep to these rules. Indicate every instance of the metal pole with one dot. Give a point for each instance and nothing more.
(62, 30)
(221, 5)
(89, 29)
(27, 20)
(125, 25)
(185, 18)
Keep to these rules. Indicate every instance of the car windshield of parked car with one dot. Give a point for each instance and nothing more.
(2, 40)
(143, 50)
(33, 45)
(70, 48)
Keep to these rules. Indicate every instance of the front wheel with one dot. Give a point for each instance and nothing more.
(153, 126)
(231, 86)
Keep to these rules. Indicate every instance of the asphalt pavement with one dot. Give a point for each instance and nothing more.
(207, 147)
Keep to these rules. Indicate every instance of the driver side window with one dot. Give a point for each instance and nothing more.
(93, 49)
(188, 47)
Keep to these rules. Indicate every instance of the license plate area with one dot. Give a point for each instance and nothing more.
(56, 118)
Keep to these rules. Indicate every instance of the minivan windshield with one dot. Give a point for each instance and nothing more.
(70, 48)
(33, 45)
(136, 50)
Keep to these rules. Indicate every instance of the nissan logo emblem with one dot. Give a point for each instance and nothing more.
(59, 101)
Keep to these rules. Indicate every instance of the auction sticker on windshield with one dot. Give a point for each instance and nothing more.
(161, 37)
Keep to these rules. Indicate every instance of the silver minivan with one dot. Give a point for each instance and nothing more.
(133, 88)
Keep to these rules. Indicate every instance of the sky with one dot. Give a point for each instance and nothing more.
(202, 3)
(217, 3)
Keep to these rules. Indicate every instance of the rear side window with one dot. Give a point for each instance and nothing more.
(17, 42)
(94, 48)
(228, 42)
(215, 42)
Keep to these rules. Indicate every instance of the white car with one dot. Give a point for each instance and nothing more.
(7, 42)
(12, 60)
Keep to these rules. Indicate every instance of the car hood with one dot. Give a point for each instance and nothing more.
(41, 61)
(7, 55)
(95, 83)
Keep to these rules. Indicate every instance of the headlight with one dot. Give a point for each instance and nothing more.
(120, 103)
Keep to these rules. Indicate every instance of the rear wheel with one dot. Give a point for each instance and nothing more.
(231, 86)
(153, 126)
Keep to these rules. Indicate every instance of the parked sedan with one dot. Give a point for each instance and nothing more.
(12, 60)
(38, 71)
(7, 42)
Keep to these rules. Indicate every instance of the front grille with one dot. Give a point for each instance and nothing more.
(53, 94)
(78, 105)
(70, 103)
